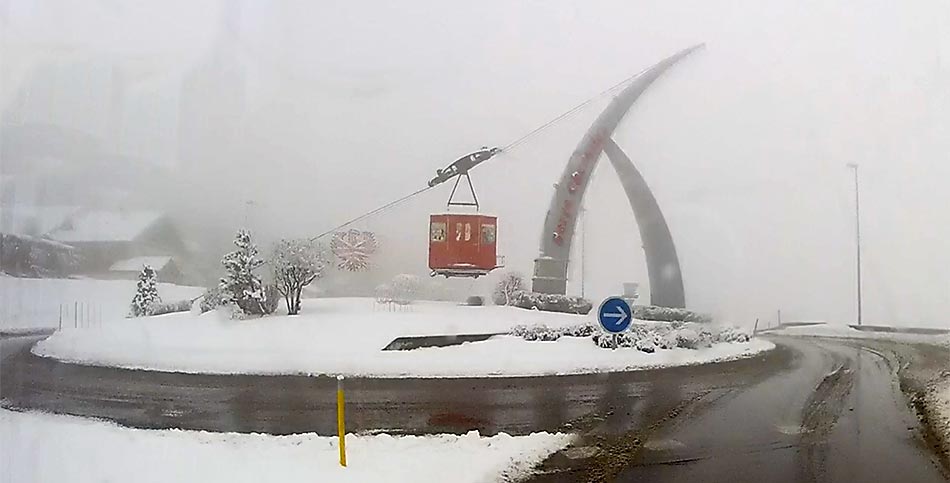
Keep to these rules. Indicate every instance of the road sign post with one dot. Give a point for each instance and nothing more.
(614, 315)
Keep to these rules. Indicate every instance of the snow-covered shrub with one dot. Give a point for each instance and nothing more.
(475, 300)
(604, 340)
(666, 340)
(668, 314)
(240, 286)
(171, 307)
(519, 330)
(541, 333)
(405, 288)
(545, 333)
(384, 294)
(551, 302)
(146, 293)
(648, 337)
(211, 299)
(733, 335)
(296, 264)
(578, 330)
(509, 284)
(706, 334)
(607, 340)
(647, 345)
(271, 300)
(686, 339)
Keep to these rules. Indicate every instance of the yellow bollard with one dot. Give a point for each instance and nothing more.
(340, 420)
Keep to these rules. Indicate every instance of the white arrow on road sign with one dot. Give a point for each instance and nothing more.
(620, 314)
(614, 315)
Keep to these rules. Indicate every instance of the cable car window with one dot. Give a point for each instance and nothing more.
(458, 232)
(437, 232)
(488, 234)
(468, 231)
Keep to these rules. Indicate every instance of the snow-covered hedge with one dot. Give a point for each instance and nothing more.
(731, 334)
(210, 300)
(645, 337)
(544, 333)
(667, 314)
(551, 302)
(170, 307)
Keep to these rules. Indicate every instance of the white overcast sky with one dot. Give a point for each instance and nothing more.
(744, 144)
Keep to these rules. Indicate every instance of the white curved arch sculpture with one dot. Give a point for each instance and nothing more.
(550, 268)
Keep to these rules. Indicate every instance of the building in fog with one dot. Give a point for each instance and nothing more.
(166, 268)
(107, 242)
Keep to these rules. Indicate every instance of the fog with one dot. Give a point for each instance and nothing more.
(292, 117)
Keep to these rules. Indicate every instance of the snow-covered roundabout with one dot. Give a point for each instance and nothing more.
(346, 337)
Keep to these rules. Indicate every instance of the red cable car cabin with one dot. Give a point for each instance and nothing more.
(462, 244)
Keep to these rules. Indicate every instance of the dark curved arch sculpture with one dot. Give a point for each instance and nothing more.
(550, 268)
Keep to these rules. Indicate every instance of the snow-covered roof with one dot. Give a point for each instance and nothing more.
(103, 225)
(136, 264)
(33, 220)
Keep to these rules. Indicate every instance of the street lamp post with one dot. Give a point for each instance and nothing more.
(857, 232)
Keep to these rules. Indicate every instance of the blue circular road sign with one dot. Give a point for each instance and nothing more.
(614, 315)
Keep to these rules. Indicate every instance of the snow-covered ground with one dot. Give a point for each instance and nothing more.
(937, 406)
(345, 336)
(844, 331)
(943, 398)
(39, 448)
(36, 303)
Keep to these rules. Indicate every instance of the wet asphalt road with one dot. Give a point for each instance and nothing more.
(836, 413)
(811, 410)
(295, 404)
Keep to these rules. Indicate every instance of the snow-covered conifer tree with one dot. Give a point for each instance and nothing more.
(146, 293)
(240, 286)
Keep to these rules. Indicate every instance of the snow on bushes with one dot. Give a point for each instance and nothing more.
(211, 299)
(551, 302)
(542, 332)
(296, 264)
(171, 307)
(271, 299)
(579, 330)
(506, 288)
(668, 314)
(405, 288)
(645, 337)
(731, 334)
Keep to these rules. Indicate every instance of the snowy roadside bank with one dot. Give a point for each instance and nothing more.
(846, 332)
(936, 405)
(345, 336)
(40, 447)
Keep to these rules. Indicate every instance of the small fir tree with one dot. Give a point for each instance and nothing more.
(146, 293)
(240, 286)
